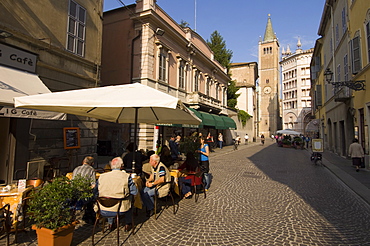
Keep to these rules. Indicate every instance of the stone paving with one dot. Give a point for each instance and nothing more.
(260, 195)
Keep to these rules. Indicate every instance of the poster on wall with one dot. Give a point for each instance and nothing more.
(71, 137)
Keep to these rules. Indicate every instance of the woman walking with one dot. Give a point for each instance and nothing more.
(204, 162)
(356, 153)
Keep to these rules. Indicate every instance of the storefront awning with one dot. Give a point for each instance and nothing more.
(229, 123)
(220, 124)
(213, 120)
(207, 119)
(198, 114)
(16, 83)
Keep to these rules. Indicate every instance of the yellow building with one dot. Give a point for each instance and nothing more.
(359, 34)
(338, 73)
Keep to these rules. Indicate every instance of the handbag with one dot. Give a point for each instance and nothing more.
(362, 163)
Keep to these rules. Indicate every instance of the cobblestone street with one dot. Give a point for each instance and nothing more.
(260, 195)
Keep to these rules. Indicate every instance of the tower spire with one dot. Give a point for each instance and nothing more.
(269, 32)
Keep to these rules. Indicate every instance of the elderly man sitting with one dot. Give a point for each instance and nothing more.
(87, 171)
(159, 175)
(117, 184)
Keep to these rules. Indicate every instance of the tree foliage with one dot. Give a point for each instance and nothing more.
(223, 56)
(221, 53)
(243, 117)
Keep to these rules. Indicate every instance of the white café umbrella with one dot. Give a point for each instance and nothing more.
(288, 132)
(130, 103)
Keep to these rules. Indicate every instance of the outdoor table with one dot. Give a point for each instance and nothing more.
(14, 198)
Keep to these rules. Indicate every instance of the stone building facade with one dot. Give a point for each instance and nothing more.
(63, 40)
(296, 85)
(245, 75)
(269, 74)
(143, 44)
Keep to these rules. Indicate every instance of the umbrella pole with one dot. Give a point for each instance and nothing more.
(135, 136)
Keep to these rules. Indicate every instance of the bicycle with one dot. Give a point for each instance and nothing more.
(316, 158)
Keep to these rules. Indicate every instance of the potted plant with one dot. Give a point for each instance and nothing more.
(298, 142)
(190, 144)
(52, 209)
(286, 143)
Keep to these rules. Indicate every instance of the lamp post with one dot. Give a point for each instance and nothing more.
(357, 85)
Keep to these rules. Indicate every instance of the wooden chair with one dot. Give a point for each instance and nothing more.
(110, 202)
(35, 182)
(169, 195)
(5, 222)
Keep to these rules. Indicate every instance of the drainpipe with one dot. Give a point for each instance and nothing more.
(132, 55)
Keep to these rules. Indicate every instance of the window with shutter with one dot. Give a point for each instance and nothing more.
(356, 55)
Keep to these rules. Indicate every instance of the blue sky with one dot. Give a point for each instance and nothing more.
(242, 22)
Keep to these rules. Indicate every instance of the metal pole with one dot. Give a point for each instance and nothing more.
(135, 136)
(195, 15)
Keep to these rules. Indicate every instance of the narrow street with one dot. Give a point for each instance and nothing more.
(260, 195)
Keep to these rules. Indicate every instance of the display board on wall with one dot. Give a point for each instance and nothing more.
(317, 145)
(71, 137)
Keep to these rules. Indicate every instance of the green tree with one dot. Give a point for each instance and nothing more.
(223, 56)
(221, 53)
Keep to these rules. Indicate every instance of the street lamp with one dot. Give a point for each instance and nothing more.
(357, 85)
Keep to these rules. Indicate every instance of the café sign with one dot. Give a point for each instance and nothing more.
(12, 112)
(16, 58)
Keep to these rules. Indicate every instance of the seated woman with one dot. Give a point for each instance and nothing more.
(190, 166)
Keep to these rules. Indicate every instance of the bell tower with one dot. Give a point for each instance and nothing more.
(269, 74)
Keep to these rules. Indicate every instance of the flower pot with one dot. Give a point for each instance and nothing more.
(287, 146)
(60, 237)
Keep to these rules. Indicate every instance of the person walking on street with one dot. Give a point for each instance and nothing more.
(210, 142)
(246, 138)
(220, 140)
(307, 139)
(356, 153)
(263, 139)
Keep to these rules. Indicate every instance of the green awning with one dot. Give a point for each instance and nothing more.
(197, 114)
(220, 123)
(207, 119)
(229, 123)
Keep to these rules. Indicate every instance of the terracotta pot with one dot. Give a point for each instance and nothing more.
(60, 237)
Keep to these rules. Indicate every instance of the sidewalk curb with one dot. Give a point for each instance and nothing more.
(348, 180)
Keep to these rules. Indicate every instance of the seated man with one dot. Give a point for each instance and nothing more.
(158, 176)
(86, 170)
(117, 184)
